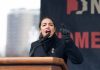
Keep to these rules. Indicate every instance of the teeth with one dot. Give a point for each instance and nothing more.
(47, 30)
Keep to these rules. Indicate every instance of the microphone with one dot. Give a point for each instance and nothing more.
(46, 37)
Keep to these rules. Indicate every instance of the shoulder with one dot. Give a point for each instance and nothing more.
(35, 43)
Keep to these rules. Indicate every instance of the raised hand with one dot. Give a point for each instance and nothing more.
(65, 33)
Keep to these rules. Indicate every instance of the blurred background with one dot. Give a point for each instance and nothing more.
(18, 26)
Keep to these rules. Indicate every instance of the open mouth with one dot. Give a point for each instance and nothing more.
(47, 31)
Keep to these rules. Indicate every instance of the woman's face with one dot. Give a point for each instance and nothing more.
(46, 27)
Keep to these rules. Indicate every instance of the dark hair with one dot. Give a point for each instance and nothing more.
(41, 36)
(45, 18)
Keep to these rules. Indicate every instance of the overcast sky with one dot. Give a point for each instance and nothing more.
(5, 7)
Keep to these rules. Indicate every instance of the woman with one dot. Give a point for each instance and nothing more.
(50, 45)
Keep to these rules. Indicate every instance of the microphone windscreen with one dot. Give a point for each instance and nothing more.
(45, 38)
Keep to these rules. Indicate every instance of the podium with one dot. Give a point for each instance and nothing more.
(32, 63)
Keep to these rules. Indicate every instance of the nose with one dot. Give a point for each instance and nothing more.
(47, 29)
(47, 26)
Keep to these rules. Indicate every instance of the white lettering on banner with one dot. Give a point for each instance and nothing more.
(95, 4)
(84, 7)
(90, 6)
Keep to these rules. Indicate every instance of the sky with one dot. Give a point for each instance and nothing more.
(5, 7)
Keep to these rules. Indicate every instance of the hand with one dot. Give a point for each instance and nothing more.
(65, 34)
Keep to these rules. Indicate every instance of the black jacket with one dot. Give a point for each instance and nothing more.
(55, 47)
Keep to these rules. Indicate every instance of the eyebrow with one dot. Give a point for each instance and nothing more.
(47, 23)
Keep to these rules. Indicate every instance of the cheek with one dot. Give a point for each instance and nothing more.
(53, 30)
(42, 32)
(42, 29)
